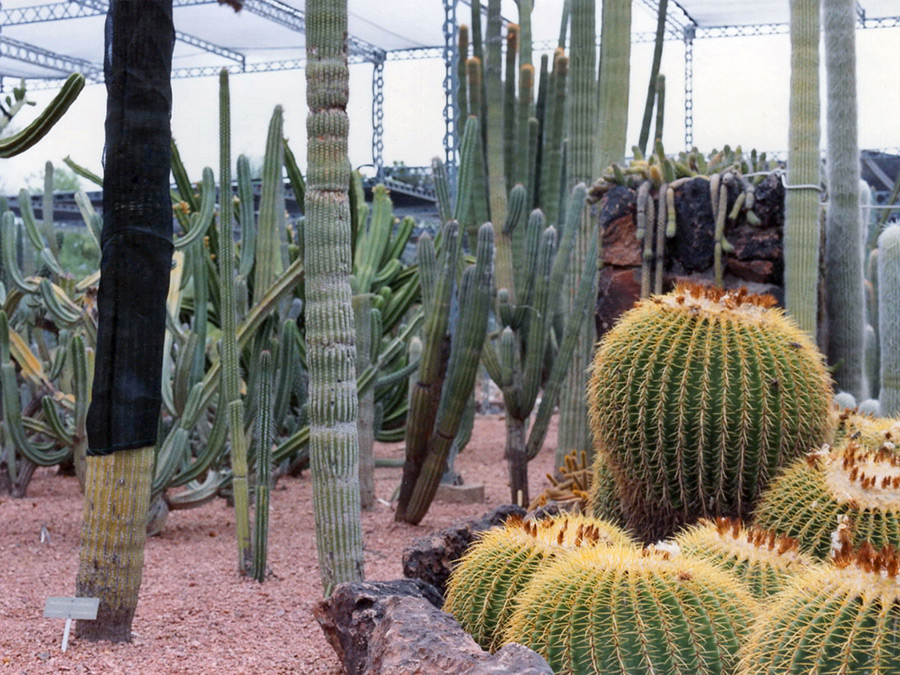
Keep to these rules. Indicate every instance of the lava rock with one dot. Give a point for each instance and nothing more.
(617, 291)
(617, 213)
(390, 628)
(694, 242)
(431, 558)
(769, 203)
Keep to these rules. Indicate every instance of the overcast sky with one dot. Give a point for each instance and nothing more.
(740, 97)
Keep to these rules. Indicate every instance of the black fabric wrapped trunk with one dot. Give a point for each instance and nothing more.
(137, 227)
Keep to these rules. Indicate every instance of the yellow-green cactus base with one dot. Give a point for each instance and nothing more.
(483, 586)
(617, 611)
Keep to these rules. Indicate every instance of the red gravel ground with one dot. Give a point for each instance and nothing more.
(195, 615)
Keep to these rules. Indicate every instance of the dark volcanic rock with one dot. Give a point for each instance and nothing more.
(694, 243)
(618, 290)
(769, 206)
(431, 558)
(617, 213)
(389, 628)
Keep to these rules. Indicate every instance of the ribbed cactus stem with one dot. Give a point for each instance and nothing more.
(615, 70)
(801, 227)
(552, 152)
(271, 256)
(231, 374)
(47, 210)
(462, 100)
(889, 318)
(654, 72)
(844, 237)
(525, 47)
(496, 167)
(509, 106)
(264, 431)
(330, 336)
(519, 169)
(49, 116)
(362, 318)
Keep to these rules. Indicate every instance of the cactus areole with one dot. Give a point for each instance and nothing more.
(697, 397)
(137, 227)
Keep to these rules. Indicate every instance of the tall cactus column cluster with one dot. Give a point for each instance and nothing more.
(330, 334)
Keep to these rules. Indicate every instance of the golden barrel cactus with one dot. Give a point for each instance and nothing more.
(697, 397)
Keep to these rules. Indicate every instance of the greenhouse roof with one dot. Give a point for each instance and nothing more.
(47, 39)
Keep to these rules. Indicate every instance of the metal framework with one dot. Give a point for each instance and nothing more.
(679, 26)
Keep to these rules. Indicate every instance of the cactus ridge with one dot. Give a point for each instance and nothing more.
(698, 396)
(839, 618)
(857, 479)
(620, 610)
(483, 586)
(763, 559)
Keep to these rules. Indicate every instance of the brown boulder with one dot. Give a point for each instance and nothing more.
(617, 213)
(618, 289)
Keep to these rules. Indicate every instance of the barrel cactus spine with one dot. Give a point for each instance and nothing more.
(617, 610)
(762, 559)
(483, 586)
(697, 397)
(839, 618)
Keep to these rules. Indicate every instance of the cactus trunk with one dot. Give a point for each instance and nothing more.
(844, 238)
(889, 319)
(330, 337)
(801, 226)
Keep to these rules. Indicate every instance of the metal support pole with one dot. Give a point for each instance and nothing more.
(451, 83)
(689, 32)
(378, 118)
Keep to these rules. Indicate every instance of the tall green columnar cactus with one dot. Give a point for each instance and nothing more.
(889, 318)
(844, 295)
(510, 140)
(654, 73)
(496, 168)
(615, 71)
(330, 336)
(525, 7)
(462, 100)
(271, 251)
(552, 151)
(264, 430)
(231, 368)
(366, 342)
(582, 118)
(801, 227)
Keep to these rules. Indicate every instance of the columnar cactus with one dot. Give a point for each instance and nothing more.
(654, 73)
(844, 237)
(762, 559)
(615, 70)
(697, 397)
(889, 319)
(43, 123)
(839, 618)
(857, 479)
(801, 227)
(482, 589)
(263, 429)
(330, 337)
(616, 610)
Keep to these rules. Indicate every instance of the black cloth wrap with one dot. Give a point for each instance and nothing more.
(137, 227)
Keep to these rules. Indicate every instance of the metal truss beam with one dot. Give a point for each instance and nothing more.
(378, 118)
(54, 11)
(674, 29)
(450, 54)
(21, 51)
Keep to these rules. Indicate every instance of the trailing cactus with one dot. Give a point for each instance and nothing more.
(763, 560)
(844, 253)
(801, 225)
(859, 478)
(839, 618)
(619, 610)
(697, 397)
(484, 584)
(889, 319)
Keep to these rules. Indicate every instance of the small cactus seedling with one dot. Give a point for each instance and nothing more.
(762, 559)
(856, 479)
(839, 618)
(483, 587)
(697, 397)
(616, 610)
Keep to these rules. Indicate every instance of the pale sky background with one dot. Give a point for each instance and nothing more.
(740, 97)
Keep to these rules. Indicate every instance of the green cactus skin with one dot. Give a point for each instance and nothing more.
(889, 318)
(483, 586)
(616, 610)
(493, 87)
(330, 336)
(603, 496)
(264, 428)
(366, 341)
(525, 50)
(652, 88)
(660, 106)
(698, 397)
(844, 293)
(230, 370)
(552, 149)
(462, 101)
(462, 367)
(763, 560)
(271, 247)
(510, 136)
(801, 226)
(835, 619)
(857, 478)
(43, 123)
(615, 69)
(582, 145)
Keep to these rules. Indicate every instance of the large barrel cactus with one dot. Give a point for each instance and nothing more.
(697, 397)
(857, 479)
(762, 559)
(839, 618)
(482, 588)
(622, 611)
